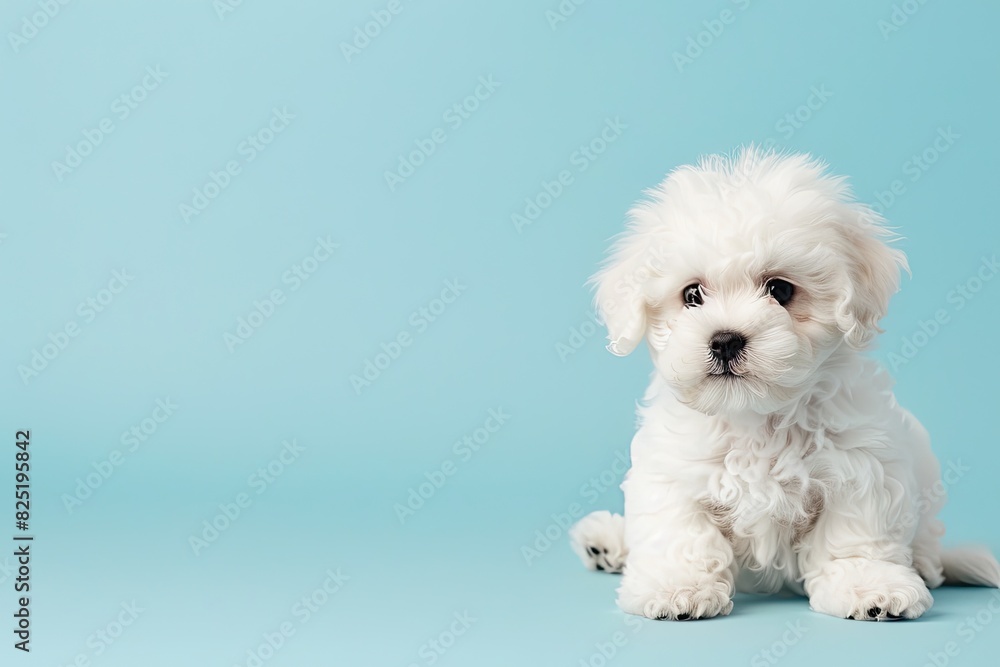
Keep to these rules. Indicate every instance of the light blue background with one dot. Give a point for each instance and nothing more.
(494, 347)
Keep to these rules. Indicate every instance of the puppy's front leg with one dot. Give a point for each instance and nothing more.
(857, 562)
(678, 565)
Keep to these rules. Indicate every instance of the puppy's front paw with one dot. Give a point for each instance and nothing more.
(598, 539)
(701, 598)
(868, 590)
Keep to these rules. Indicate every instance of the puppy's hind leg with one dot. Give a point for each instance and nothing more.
(599, 540)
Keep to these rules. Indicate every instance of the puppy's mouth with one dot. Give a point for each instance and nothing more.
(729, 370)
(728, 376)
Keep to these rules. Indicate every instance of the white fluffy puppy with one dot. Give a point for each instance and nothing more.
(771, 452)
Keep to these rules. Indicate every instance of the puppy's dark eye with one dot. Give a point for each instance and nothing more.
(692, 295)
(780, 290)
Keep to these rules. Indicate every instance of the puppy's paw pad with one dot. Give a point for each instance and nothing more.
(893, 605)
(598, 539)
(684, 604)
(876, 614)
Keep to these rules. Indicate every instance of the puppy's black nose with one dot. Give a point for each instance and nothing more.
(726, 345)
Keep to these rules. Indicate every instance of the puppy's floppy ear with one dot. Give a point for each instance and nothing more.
(873, 274)
(620, 295)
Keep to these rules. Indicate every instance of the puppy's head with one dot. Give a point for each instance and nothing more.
(745, 274)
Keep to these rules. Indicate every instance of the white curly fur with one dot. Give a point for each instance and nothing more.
(796, 469)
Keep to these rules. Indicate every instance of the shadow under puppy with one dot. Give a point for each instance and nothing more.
(771, 453)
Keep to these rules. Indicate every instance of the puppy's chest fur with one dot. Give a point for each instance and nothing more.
(764, 495)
